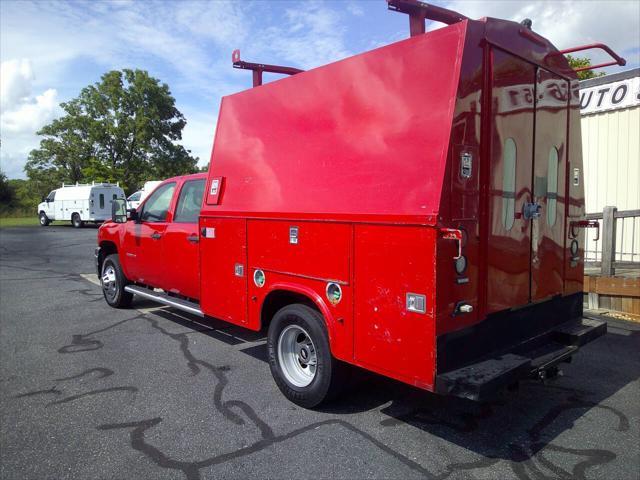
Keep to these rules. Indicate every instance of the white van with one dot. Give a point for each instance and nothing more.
(79, 203)
(136, 198)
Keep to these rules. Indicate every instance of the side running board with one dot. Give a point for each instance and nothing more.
(163, 298)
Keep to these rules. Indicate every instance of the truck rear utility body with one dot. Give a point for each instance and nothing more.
(424, 199)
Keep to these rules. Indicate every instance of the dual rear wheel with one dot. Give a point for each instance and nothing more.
(300, 357)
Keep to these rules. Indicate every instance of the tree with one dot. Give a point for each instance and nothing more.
(123, 128)
(6, 194)
(578, 62)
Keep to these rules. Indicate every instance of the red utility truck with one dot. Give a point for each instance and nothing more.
(416, 210)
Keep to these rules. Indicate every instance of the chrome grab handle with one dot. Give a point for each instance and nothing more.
(156, 236)
(193, 238)
(585, 224)
(453, 234)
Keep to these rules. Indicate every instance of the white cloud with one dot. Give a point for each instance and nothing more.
(22, 114)
(310, 37)
(569, 23)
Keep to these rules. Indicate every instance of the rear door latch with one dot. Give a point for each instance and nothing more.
(531, 210)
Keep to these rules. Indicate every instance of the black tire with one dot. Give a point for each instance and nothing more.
(327, 379)
(76, 221)
(114, 294)
(44, 220)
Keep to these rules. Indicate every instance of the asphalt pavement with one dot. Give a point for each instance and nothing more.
(87, 391)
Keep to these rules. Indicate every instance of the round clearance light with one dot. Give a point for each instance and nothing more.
(334, 293)
(574, 248)
(259, 278)
(461, 265)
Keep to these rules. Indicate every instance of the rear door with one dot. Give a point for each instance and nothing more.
(509, 236)
(180, 244)
(547, 230)
(528, 171)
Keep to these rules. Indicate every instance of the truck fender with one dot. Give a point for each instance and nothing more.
(317, 300)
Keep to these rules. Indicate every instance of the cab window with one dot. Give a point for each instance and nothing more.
(135, 197)
(157, 205)
(51, 197)
(552, 186)
(509, 155)
(190, 202)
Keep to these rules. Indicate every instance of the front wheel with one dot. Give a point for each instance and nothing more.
(44, 220)
(113, 282)
(76, 221)
(300, 358)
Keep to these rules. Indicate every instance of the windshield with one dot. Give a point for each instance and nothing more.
(135, 197)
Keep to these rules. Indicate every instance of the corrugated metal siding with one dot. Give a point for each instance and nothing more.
(611, 162)
(611, 159)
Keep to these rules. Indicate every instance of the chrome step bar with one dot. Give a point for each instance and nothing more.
(163, 298)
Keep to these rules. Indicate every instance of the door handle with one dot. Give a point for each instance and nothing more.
(193, 238)
(156, 236)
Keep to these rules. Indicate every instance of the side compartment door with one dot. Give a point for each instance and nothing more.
(547, 230)
(223, 268)
(510, 167)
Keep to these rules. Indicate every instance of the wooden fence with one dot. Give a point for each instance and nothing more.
(619, 242)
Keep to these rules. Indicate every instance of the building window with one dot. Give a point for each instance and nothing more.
(552, 186)
(509, 154)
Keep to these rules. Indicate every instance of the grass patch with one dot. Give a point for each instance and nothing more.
(19, 221)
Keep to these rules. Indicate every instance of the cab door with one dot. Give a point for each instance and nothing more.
(547, 229)
(181, 242)
(143, 240)
(510, 170)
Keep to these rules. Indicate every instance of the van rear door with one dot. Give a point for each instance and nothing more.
(525, 252)
(550, 167)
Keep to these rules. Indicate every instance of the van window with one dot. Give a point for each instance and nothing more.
(51, 197)
(157, 205)
(135, 197)
(102, 200)
(115, 196)
(509, 154)
(190, 202)
(552, 186)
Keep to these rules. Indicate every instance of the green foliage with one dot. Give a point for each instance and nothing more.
(5, 190)
(121, 129)
(578, 62)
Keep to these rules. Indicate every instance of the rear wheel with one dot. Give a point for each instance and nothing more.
(76, 221)
(300, 357)
(113, 282)
(44, 220)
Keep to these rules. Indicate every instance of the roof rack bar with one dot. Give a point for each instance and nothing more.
(419, 11)
(618, 60)
(258, 68)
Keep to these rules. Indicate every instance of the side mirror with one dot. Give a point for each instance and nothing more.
(132, 214)
(44, 199)
(119, 210)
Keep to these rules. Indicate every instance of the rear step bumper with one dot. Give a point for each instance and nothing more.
(479, 380)
(165, 299)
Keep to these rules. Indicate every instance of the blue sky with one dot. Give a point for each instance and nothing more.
(50, 50)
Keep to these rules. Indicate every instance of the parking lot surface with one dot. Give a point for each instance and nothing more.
(88, 391)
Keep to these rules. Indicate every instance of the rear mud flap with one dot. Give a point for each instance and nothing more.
(481, 379)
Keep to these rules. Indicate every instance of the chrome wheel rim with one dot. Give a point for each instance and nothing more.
(297, 356)
(109, 282)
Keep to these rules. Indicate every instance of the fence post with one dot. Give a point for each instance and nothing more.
(608, 241)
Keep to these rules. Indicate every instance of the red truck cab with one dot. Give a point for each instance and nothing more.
(416, 210)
